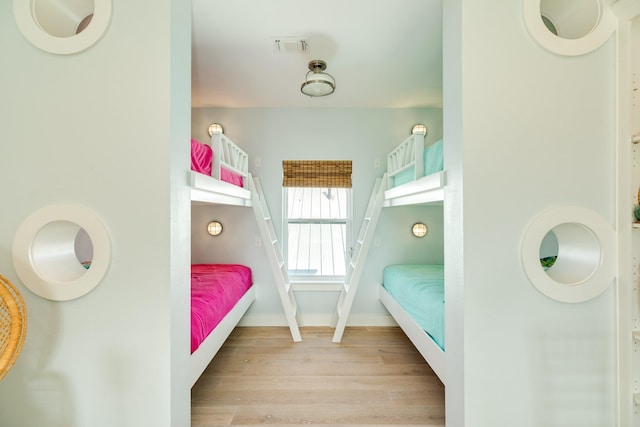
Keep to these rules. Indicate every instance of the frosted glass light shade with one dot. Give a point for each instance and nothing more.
(214, 228)
(318, 85)
(419, 229)
(215, 128)
(419, 130)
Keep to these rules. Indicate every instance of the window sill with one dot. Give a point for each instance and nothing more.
(317, 285)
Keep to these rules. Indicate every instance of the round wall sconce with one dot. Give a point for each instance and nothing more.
(419, 130)
(215, 128)
(214, 228)
(419, 229)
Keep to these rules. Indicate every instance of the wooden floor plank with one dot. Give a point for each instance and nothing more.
(339, 414)
(354, 383)
(374, 377)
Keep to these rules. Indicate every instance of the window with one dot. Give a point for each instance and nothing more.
(318, 225)
(317, 218)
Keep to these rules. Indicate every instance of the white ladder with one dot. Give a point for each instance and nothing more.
(274, 254)
(358, 258)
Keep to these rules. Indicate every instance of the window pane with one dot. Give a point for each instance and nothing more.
(317, 249)
(317, 203)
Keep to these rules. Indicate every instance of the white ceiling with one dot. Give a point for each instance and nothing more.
(382, 53)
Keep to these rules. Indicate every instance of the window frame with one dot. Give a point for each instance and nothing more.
(348, 250)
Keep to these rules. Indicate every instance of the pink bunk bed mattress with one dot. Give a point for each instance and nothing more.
(215, 290)
(201, 155)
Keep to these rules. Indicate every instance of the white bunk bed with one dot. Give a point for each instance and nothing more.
(228, 160)
(420, 167)
(410, 157)
(205, 353)
(430, 351)
(213, 190)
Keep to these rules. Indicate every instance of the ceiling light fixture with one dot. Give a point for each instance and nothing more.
(317, 82)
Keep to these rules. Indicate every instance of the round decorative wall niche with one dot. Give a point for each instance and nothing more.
(61, 252)
(568, 254)
(62, 26)
(569, 27)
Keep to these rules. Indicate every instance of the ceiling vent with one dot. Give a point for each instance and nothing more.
(290, 44)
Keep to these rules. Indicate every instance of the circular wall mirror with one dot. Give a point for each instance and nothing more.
(569, 27)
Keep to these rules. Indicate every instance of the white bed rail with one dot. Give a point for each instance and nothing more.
(409, 153)
(228, 155)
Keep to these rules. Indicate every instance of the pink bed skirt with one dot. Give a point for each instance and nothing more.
(201, 155)
(215, 290)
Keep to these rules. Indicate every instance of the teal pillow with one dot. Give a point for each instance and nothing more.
(433, 161)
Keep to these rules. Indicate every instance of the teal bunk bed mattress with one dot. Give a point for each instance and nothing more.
(433, 162)
(419, 289)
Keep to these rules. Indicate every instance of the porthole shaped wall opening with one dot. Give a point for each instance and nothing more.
(569, 27)
(62, 26)
(61, 252)
(578, 253)
(581, 245)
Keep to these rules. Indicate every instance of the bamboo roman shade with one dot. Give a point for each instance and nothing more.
(316, 173)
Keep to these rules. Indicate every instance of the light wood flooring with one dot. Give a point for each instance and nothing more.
(374, 377)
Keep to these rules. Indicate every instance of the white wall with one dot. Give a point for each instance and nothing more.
(361, 135)
(525, 129)
(101, 128)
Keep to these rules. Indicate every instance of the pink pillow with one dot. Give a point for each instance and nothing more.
(201, 155)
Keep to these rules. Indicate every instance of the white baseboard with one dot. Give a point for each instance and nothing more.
(318, 319)
(371, 320)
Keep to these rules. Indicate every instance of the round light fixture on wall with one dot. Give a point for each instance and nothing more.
(419, 130)
(214, 228)
(215, 128)
(419, 229)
